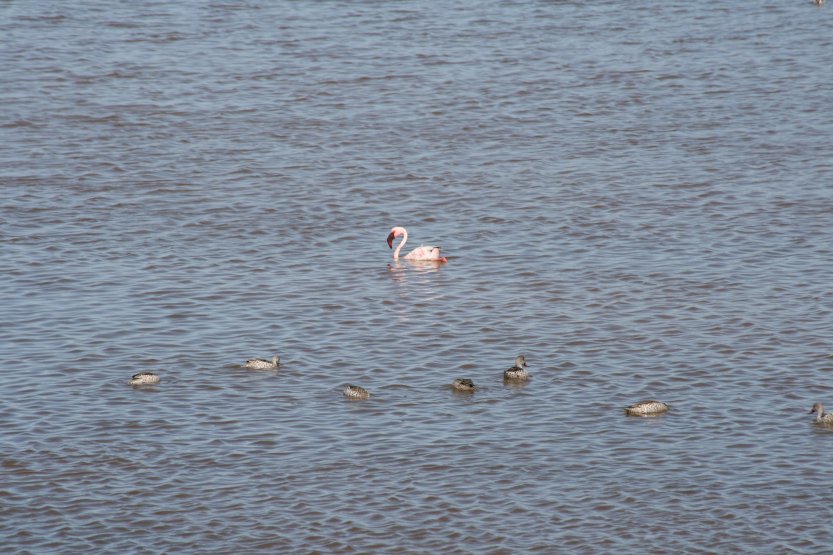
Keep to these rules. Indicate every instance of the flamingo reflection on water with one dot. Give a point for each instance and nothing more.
(420, 253)
(418, 270)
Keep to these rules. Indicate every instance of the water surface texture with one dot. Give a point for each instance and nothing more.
(637, 196)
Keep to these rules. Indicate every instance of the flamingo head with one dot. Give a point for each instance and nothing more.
(520, 362)
(817, 407)
(394, 233)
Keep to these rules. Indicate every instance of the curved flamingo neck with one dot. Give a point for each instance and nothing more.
(401, 244)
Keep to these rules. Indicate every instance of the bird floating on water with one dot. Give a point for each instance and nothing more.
(821, 416)
(144, 378)
(263, 364)
(646, 408)
(463, 384)
(517, 372)
(419, 253)
(356, 392)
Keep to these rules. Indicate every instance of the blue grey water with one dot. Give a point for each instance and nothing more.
(638, 196)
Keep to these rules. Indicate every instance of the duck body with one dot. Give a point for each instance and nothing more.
(463, 384)
(144, 378)
(646, 408)
(517, 372)
(356, 392)
(263, 364)
(821, 416)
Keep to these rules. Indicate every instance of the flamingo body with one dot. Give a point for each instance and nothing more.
(419, 253)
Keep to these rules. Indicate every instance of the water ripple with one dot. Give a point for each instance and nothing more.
(635, 197)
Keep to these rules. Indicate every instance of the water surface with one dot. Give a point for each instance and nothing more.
(637, 197)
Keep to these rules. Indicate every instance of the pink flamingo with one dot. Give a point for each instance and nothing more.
(419, 253)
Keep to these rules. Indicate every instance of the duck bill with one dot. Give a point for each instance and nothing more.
(390, 239)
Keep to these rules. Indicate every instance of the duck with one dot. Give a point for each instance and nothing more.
(463, 384)
(263, 364)
(144, 378)
(517, 372)
(821, 416)
(646, 408)
(356, 392)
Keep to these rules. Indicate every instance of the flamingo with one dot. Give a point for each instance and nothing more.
(419, 253)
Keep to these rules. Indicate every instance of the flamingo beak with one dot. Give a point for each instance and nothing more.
(811, 411)
(390, 239)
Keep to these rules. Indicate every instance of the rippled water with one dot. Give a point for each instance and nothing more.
(637, 197)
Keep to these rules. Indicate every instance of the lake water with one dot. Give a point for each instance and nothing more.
(638, 196)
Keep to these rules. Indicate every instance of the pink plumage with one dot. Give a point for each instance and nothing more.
(419, 253)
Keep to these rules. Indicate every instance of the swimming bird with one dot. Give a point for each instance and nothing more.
(262, 364)
(463, 384)
(356, 392)
(818, 2)
(821, 416)
(419, 253)
(646, 408)
(517, 372)
(144, 378)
